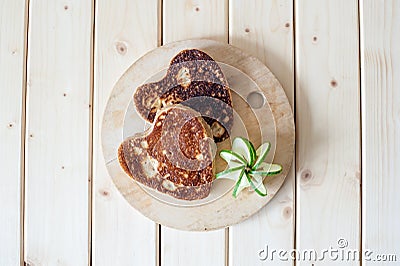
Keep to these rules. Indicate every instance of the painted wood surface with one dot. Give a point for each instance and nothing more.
(125, 30)
(12, 69)
(57, 148)
(381, 130)
(188, 20)
(328, 126)
(265, 29)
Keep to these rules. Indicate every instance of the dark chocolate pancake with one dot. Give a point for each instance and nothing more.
(174, 156)
(193, 79)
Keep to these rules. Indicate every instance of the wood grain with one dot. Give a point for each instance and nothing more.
(12, 69)
(56, 215)
(192, 19)
(187, 20)
(265, 29)
(125, 30)
(328, 126)
(192, 248)
(381, 129)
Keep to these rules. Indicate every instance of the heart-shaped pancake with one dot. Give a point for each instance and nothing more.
(195, 80)
(173, 156)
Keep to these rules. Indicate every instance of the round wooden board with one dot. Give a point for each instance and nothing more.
(226, 210)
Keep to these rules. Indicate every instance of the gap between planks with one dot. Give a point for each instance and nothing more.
(91, 134)
(294, 166)
(360, 64)
(160, 23)
(23, 132)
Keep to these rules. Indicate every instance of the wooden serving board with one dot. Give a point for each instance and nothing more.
(268, 117)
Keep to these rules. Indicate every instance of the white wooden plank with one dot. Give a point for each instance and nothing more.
(192, 19)
(194, 248)
(57, 165)
(380, 130)
(189, 20)
(125, 30)
(12, 65)
(328, 126)
(265, 30)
